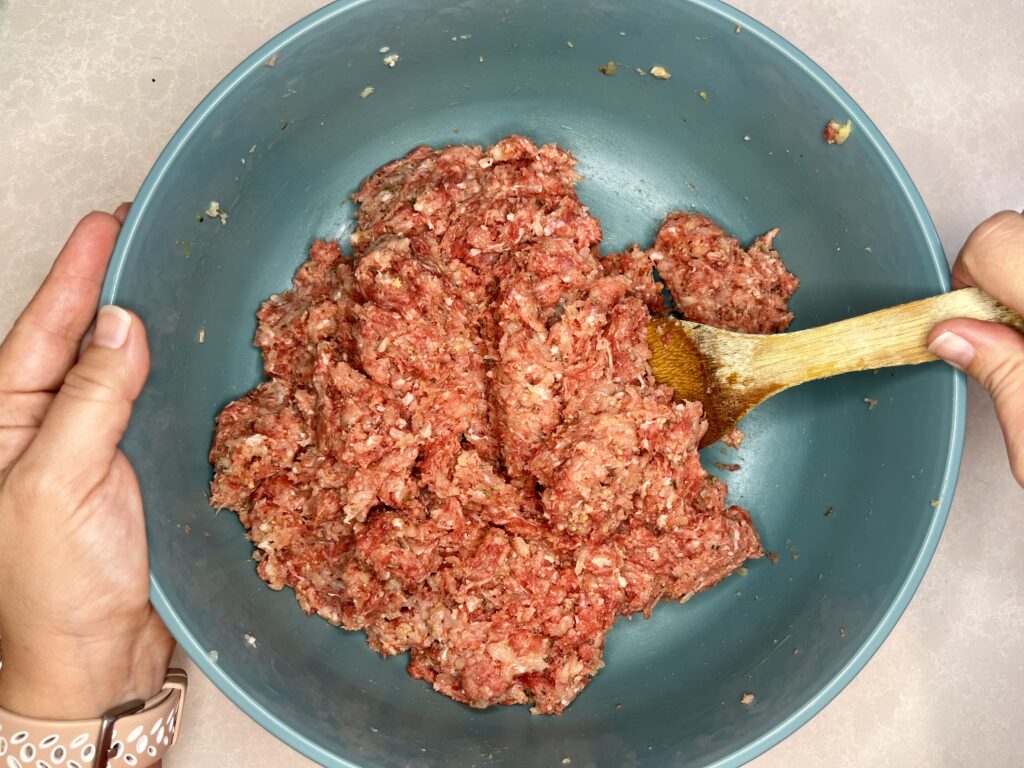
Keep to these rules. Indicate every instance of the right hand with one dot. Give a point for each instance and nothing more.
(992, 259)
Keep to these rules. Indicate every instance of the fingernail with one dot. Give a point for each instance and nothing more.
(121, 212)
(955, 350)
(112, 326)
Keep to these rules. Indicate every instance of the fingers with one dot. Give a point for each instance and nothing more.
(993, 259)
(994, 355)
(45, 340)
(90, 413)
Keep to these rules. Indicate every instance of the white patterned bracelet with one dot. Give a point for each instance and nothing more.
(133, 735)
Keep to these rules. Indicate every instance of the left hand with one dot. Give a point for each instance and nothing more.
(79, 634)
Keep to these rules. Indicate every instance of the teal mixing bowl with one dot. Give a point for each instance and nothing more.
(852, 498)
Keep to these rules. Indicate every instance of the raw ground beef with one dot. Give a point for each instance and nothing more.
(714, 281)
(460, 448)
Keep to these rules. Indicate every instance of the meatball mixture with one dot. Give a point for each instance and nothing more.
(460, 448)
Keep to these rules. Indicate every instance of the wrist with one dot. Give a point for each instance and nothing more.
(72, 678)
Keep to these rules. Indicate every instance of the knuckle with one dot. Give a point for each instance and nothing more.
(26, 485)
(1009, 222)
(1007, 218)
(1004, 379)
(992, 237)
(91, 383)
(1000, 229)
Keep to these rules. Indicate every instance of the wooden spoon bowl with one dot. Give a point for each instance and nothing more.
(731, 373)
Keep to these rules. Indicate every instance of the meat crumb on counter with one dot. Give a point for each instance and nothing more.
(460, 448)
(747, 698)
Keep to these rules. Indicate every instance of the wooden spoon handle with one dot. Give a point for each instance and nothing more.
(894, 336)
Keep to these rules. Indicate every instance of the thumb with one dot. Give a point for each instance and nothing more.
(84, 424)
(994, 355)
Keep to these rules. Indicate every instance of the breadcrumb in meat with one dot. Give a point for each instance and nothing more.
(461, 449)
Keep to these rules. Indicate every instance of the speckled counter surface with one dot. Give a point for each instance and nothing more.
(91, 90)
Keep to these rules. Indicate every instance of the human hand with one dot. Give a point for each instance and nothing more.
(79, 634)
(992, 259)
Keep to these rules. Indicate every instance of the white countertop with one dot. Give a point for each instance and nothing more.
(91, 90)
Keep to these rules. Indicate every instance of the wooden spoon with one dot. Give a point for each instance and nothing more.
(730, 373)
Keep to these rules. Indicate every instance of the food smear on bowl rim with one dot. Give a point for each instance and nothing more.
(461, 448)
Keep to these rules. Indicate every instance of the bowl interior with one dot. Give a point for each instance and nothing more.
(281, 148)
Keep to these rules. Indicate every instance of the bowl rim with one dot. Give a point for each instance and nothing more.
(866, 131)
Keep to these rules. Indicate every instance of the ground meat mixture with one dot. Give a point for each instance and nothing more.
(715, 281)
(460, 448)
